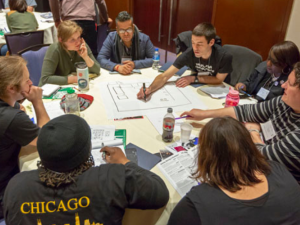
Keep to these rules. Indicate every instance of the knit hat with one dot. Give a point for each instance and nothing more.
(64, 143)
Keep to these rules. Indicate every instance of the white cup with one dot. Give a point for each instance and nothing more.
(186, 130)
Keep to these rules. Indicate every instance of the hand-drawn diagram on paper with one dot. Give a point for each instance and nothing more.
(120, 99)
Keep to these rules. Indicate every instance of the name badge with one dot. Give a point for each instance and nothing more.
(268, 130)
(126, 59)
(203, 73)
(263, 93)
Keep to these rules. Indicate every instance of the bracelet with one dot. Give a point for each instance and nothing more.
(117, 67)
(250, 130)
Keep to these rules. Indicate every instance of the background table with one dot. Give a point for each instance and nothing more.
(140, 132)
(50, 33)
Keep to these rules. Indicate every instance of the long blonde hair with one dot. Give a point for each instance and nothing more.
(65, 30)
(11, 72)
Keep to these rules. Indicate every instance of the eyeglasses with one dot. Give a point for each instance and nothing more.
(129, 30)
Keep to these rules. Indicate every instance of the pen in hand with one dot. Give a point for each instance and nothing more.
(144, 90)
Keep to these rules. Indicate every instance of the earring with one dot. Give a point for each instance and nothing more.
(286, 72)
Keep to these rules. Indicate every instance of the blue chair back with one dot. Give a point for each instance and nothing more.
(19, 41)
(35, 61)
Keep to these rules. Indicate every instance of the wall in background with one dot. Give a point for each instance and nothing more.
(293, 30)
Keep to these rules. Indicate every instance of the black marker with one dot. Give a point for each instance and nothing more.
(144, 89)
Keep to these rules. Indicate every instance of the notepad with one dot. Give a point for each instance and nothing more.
(49, 89)
(168, 64)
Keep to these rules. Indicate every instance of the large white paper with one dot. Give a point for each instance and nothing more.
(101, 134)
(120, 99)
(178, 169)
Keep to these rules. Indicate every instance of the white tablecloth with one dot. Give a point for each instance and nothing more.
(50, 33)
(139, 132)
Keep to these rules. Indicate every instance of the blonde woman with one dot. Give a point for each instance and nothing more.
(61, 57)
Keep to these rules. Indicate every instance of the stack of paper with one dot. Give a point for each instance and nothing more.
(219, 91)
(49, 89)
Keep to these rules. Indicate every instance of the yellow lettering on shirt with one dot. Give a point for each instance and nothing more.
(47, 207)
(87, 202)
(61, 206)
(22, 208)
(75, 203)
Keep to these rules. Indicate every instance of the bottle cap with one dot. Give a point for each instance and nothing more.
(170, 110)
(71, 91)
(156, 49)
(233, 92)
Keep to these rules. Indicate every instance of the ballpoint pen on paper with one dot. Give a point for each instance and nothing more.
(129, 118)
(183, 117)
(144, 90)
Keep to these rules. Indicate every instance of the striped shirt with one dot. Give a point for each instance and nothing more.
(284, 147)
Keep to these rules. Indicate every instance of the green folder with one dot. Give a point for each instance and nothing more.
(121, 134)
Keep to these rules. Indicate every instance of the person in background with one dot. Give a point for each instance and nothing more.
(31, 4)
(16, 129)
(238, 185)
(66, 186)
(19, 20)
(209, 61)
(83, 13)
(127, 48)
(265, 81)
(60, 58)
(278, 119)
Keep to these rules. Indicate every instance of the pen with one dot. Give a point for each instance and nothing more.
(76, 89)
(245, 93)
(103, 154)
(144, 90)
(178, 118)
(129, 118)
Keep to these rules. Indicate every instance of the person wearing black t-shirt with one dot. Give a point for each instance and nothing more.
(210, 63)
(238, 185)
(67, 188)
(16, 128)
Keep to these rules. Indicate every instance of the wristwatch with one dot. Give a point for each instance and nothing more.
(196, 79)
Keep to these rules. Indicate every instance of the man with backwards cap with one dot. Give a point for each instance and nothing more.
(66, 186)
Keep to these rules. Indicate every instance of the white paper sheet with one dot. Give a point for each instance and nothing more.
(216, 91)
(53, 109)
(178, 169)
(157, 121)
(97, 155)
(120, 99)
(101, 134)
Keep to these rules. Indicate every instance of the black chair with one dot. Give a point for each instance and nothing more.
(184, 40)
(19, 41)
(2, 4)
(34, 56)
(244, 62)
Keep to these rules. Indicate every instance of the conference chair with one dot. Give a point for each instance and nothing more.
(2, 7)
(184, 40)
(244, 62)
(34, 56)
(19, 41)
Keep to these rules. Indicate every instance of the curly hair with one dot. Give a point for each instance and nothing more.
(55, 179)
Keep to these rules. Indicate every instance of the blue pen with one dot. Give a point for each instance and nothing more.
(245, 93)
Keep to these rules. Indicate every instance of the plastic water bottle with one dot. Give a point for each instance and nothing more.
(82, 76)
(232, 98)
(156, 59)
(72, 103)
(168, 126)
